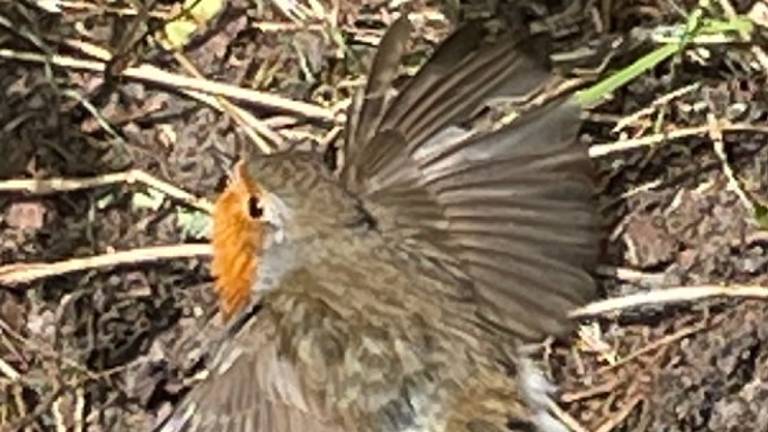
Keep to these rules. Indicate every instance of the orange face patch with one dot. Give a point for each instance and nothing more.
(237, 243)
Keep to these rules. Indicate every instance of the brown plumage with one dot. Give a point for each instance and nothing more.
(392, 297)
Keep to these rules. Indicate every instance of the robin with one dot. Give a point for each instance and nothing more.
(394, 295)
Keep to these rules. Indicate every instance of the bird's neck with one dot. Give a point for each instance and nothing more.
(281, 256)
(278, 260)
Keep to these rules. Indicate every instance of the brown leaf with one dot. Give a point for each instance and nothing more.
(25, 215)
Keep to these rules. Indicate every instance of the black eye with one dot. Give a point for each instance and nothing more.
(254, 207)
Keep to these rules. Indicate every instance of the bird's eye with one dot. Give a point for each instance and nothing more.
(255, 210)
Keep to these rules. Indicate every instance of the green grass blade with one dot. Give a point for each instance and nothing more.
(598, 92)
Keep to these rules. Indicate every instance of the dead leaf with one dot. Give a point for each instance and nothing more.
(26, 215)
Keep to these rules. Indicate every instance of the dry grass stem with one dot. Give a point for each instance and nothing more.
(601, 150)
(620, 415)
(58, 416)
(590, 392)
(254, 128)
(9, 371)
(757, 51)
(13, 274)
(628, 274)
(45, 186)
(716, 135)
(243, 117)
(158, 76)
(101, 7)
(666, 340)
(44, 350)
(567, 419)
(79, 419)
(669, 295)
(278, 27)
(650, 109)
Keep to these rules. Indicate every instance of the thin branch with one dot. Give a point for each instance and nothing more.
(18, 273)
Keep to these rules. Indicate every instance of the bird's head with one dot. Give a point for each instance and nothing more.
(272, 200)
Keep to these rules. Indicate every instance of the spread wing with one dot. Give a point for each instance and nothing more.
(510, 210)
(251, 388)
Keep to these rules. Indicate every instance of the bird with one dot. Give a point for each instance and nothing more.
(395, 293)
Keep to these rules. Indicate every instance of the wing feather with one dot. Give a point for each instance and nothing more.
(369, 106)
(249, 388)
(512, 209)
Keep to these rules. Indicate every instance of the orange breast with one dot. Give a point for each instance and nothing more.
(237, 246)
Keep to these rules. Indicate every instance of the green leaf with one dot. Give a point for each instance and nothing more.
(194, 223)
(105, 201)
(761, 215)
(595, 94)
(196, 13)
(204, 10)
(150, 199)
(179, 32)
(680, 36)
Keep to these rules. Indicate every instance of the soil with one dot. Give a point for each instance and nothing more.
(112, 349)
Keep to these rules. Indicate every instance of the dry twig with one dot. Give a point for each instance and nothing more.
(669, 295)
(601, 150)
(666, 340)
(565, 418)
(591, 392)
(156, 75)
(51, 185)
(619, 416)
(9, 371)
(661, 101)
(250, 124)
(716, 135)
(13, 274)
(248, 121)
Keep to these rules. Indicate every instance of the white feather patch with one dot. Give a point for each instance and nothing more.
(536, 390)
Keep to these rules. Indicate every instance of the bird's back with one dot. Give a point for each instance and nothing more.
(372, 347)
(392, 343)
